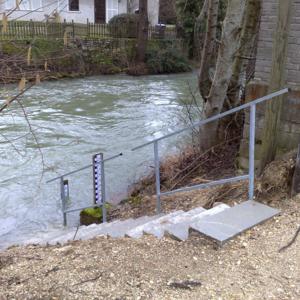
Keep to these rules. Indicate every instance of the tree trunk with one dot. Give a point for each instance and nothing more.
(199, 30)
(246, 48)
(143, 25)
(207, 58)
(277, 81)
(226, 54)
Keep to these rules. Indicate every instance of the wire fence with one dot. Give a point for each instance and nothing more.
(21, 30)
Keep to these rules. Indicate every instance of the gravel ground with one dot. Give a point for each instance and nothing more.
(249, 267)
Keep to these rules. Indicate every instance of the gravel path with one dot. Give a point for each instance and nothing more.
(250, 267)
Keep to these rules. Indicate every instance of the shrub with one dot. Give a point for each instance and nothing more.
(124, 25)
(166, 60)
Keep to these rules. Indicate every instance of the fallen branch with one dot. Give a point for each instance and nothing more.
(88, 280)
(185, 284)
(291, 242)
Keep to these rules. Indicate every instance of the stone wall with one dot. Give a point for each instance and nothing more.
(289, 134)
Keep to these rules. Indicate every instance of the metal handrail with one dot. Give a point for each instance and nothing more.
(250, 176)
(82, 168)
(215, 117)
(251, 173)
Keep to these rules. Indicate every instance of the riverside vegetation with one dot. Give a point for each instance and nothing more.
(53, 59)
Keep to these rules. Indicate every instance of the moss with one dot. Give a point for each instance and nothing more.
(93, 215)
(10, 48)
(133, 200)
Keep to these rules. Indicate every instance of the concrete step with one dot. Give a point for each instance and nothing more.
(220, 223)
(138, 231)
(120, 229)
(158, 229)
(90, 231)
(230, 222)
(95, 230)
(43, 238)
(180, 230)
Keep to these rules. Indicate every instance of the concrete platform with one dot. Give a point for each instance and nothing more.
(231, 222)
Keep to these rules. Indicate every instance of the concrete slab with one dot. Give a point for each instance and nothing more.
(180, 230)
(231, 222)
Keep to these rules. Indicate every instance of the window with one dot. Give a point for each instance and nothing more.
(74, 5)
(24, 4)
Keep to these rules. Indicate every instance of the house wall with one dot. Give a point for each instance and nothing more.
(153, 9)
(86, 11)
(289, 133)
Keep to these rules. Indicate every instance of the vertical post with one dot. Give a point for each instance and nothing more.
(73, 29)
(87, 28)
(157, 177)
(63, 199)
(252, 151)
(31, 28)
(104, 213)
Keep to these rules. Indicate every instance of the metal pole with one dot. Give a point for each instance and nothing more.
(104, 213)
(157, 178)
(63, 200)
(252, 151)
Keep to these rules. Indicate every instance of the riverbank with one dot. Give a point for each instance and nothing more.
(56, 59)
(249, 267)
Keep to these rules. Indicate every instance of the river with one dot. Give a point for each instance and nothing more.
(72, 120)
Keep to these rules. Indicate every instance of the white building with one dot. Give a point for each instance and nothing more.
(96, 11)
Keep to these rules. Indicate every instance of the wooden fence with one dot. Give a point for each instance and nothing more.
(21, 30)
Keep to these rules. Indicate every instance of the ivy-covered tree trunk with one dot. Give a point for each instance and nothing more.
(224, 67)
(207, 57)
(277, 81)
(246, 49)
(143, 25)
(199, 30)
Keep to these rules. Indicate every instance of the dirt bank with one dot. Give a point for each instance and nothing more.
(250, 267)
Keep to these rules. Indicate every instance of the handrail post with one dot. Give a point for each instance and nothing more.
(252, 151)
(157, 178)
(103, 192)
(63, 200)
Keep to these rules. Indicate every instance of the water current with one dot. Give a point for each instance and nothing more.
(72, 120)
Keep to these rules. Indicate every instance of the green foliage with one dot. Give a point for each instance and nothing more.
(164, 58)
(42, 48)
(187, 12)
(124, 25)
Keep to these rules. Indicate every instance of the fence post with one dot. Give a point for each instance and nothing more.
(252, 151)
(73, 29)
(87, 28)
(31, 26)
(46, 28)
(157, 178)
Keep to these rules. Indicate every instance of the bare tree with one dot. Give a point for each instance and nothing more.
(246, 51)
(207, 57)
(200, 29)
(143, 25)
(224, 70)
